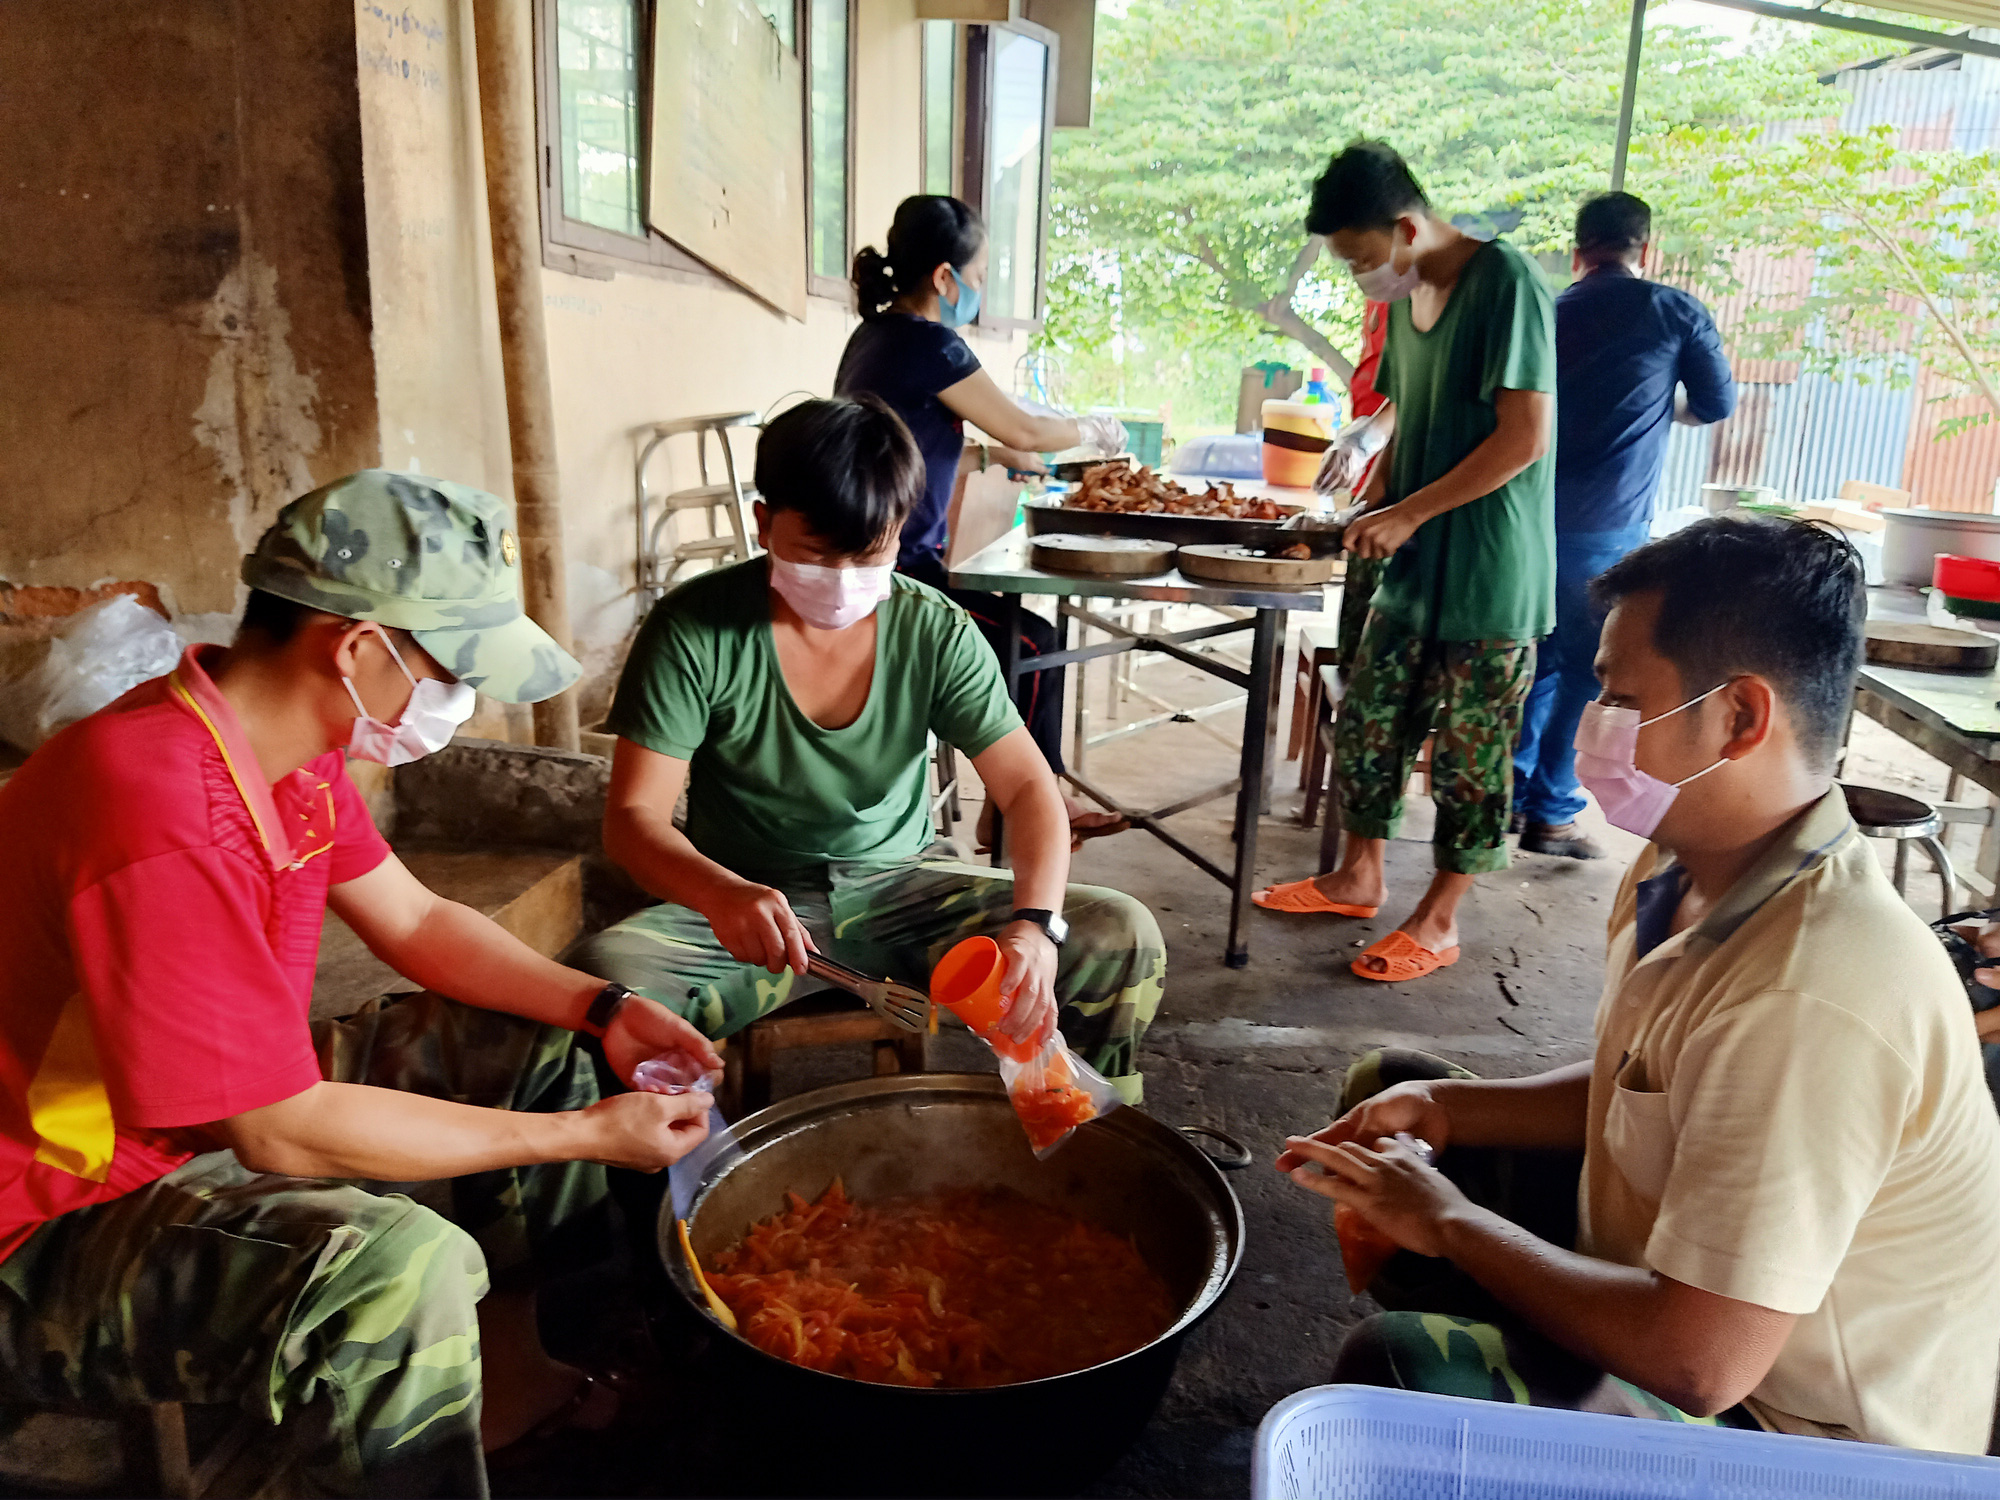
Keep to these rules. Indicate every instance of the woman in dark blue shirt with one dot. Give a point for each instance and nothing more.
(913, 298)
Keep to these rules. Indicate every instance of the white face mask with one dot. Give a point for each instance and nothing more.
(830, 598)
(1384, 283)
(427, 723)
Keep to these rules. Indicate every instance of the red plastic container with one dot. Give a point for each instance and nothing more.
(1966, 578)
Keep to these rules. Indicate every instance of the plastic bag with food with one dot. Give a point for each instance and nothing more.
(1052, 1089)
(1364, 1249)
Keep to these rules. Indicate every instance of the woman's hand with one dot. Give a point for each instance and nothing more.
(1027, 983)
(644, 1029)
(1391, 1186)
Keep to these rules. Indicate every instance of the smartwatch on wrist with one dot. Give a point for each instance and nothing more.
(597, 1020)
(1050, 922)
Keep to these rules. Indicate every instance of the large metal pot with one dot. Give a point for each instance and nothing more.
(1915, 537)
(915, 1133)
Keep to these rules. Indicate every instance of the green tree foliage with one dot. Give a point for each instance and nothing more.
(1180, 212)
(1904, 245)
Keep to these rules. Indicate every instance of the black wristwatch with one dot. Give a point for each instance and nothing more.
(1050, 922)
(597, 1020)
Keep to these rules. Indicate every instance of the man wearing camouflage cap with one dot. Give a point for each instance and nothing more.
(191, 1176)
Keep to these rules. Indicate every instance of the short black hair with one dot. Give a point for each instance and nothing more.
(1366, 186)
(1784, 599)
(848, 466)
(1616, 222)
(277, 619)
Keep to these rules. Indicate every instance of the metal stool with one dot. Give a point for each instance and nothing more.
(655, 511)
(1891, 815)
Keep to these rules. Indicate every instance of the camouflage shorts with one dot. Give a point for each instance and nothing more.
(1464, 695)
(344, 1314)
(897, 921)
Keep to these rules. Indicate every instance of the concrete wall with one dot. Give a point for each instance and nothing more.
(184, 287)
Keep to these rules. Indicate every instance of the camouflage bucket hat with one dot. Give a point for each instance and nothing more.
(437, 559)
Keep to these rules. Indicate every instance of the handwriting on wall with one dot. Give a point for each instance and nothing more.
(405, 43)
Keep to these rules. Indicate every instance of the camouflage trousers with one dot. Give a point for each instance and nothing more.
(343, 1313)
(1449, 1336)
(1466, 696)
(897, 921)
(1357, 597)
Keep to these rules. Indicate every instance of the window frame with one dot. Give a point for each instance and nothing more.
(834, 289)
(977, 93)
(954, 147)
(581, 248)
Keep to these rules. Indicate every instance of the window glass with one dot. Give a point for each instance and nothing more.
(1014, 174)
(827, 61)
(940, 103)
(784, 15)
(598, 78)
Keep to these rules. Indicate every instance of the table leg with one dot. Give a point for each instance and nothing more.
(1256, 763)
(1010, 624)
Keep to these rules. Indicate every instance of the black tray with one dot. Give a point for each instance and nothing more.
(1046, 516)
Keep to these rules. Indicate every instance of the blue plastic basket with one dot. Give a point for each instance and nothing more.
(1354, 1442)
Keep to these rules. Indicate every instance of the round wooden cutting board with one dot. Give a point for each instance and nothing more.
(1892, 643)
(1113, 556)
(1220, 564)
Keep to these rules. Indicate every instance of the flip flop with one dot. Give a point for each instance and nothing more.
(1078, 831)
(1403, 957)
(1304, 897)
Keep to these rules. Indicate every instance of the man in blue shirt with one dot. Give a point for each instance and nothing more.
(1623, 345)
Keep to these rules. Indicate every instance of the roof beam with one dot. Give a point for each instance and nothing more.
(1945, 41)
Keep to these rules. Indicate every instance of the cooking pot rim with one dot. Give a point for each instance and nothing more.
(988, 1085)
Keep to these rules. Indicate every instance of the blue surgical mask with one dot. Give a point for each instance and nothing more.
(957, 314)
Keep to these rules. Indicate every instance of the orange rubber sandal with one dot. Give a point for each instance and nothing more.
(1304, 897)
(1403, 957)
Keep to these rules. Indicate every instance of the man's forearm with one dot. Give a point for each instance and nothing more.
(458, 952)
(1504, 454)
(648, 847)
(1604, 1313)
(1545, 1112)
(1038, 846)
(353, 1130)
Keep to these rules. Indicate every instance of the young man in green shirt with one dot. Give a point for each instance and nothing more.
(792, 696)
(1463, 508)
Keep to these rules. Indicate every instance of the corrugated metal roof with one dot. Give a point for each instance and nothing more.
(1973, 12)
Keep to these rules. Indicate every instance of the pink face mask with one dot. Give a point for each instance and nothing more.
(1607, 743)
(830, 598)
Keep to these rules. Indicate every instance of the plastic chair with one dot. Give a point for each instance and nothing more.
(1882, 814)
(655, 510)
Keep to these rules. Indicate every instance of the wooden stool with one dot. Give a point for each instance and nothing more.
(1319, 645)
(815, 1021)
(154, 1454)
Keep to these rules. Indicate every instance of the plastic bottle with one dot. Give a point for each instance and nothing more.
(1315, 391)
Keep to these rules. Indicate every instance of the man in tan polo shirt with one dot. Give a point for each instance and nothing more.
(1789, 1206)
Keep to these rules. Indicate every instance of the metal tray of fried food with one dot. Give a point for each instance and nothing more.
(1045, 516)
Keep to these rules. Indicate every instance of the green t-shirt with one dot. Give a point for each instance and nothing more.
(1485, 571)
(770, 793)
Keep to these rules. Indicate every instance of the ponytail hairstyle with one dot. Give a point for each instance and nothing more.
(929, 230)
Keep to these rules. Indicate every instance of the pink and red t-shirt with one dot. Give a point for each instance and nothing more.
(160, 913)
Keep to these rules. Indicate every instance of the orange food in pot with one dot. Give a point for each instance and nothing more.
(964, 1289)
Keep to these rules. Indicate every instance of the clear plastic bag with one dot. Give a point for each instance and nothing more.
(1054, 1092)
(98, 656)
(674, 1072)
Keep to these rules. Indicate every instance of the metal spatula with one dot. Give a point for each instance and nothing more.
(896, 1003)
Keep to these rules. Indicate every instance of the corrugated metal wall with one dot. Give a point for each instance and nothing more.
(1803, 434)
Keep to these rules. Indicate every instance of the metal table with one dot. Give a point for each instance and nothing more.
(1003, 568)
(1953, 717)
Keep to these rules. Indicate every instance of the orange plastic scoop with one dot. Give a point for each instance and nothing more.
(966, 982)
